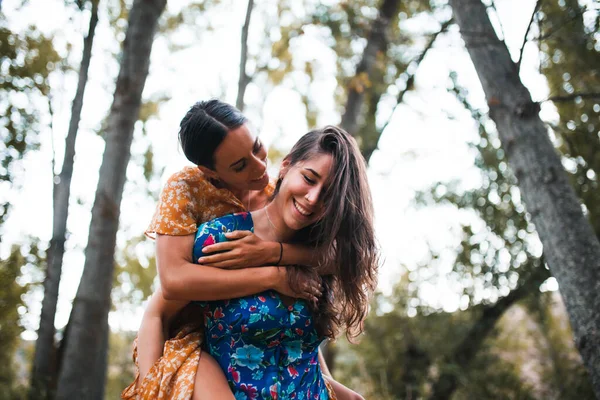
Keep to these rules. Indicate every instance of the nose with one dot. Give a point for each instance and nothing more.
(312, 196)
(259, 166)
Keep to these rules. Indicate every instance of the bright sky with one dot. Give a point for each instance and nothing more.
(419, 147)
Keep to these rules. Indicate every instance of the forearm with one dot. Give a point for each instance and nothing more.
(294, 254)
(289, 254)
(202, 283)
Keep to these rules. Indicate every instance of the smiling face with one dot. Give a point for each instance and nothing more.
(299, 200)
(241, 161)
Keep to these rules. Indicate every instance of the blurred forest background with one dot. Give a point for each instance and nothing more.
(467, 308)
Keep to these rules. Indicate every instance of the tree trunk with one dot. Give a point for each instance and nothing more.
(44, 363)
(84, 365)
(571, 248)
(376, 43)
(465, 352)
(244, 79)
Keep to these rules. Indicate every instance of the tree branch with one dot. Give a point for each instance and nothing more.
(493, 7)
(411, 77)
(576, 15)
(467, 349)
(570, 97)
(533, 14)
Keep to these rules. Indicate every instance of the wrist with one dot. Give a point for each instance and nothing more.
(273, 251)
(275, 277)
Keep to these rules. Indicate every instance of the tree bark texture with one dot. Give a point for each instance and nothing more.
(44, 363)
(376, 43)
(83, 371)
(244, 79)
(571, 249)
(467, 350)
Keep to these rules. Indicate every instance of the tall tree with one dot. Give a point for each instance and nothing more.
(87, 336)
(244, 79)
(44, 368)
(571, 248)
(377, 43)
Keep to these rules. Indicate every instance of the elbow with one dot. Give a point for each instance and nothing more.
(168, 294)
(171, 292)
(169, 287)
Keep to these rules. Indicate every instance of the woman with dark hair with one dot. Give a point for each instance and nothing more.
(267, 343)
(230, 177)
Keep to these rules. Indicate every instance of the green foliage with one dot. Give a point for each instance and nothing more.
(12, 306)
(499, 244)
(191, 15)
(491, 377)
(26, 60)
(134, 273)
(349, 24)
(400, 357)
(563, 373)
(120, 371)
(570, 56)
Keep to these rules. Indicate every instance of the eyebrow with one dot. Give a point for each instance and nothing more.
(256, 142)
(313, 171)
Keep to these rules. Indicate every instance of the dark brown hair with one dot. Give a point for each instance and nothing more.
(345, 230)
(204, 127)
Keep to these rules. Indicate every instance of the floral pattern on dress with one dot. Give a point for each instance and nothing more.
(267, 349)
(189, 199)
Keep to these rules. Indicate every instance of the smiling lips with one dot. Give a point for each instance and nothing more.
(303, 211)
(260, 178)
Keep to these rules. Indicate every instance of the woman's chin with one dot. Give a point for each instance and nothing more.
(259, 184)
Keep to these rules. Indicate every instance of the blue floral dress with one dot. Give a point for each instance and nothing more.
(267, 349)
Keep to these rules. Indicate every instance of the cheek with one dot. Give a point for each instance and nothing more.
(296, 187)
(231, 178)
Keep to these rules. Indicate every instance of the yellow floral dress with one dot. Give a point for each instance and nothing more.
(188, 199)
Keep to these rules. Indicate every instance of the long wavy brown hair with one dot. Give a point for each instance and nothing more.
(345, 232)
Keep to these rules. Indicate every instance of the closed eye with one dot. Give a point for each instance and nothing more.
(240, 167)
(308, 180)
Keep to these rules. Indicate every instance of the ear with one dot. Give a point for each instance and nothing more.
(285, 167)
(208, 173)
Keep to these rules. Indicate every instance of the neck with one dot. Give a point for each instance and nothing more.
(241, 195)
(269, 224)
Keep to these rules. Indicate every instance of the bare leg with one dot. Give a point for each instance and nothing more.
(151, 340)
(210, 381)
(153, 330)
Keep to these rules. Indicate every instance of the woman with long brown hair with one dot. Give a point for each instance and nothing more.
(349, 286)
(266, 344)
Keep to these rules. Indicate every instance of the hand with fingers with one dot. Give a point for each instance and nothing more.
(300, 282)
(244, 249)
